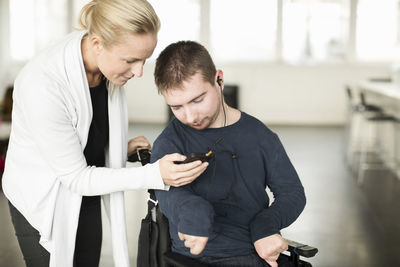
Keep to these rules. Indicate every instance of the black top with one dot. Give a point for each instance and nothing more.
(98, 133)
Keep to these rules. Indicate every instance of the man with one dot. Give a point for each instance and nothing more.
(224, 217)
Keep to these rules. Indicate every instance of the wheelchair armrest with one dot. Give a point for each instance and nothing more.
(178, 260)
(301, 249)
(296, 249)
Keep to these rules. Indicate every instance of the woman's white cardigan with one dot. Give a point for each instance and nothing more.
(46, 173)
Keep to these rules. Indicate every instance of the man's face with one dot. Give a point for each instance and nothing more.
(196, 103)
(124, 60)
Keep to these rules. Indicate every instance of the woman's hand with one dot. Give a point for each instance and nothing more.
(180, 174)
(138, 143)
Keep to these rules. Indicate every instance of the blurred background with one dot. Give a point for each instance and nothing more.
(308, 69)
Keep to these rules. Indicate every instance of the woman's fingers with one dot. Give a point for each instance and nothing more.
(136, 143)
(189, 179)
(196, 170)
(174, 158)
(142, 145)
(189, 176)
(180, 174)
(140, 139)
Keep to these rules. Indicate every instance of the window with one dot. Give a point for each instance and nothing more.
(315, 30)
(35, 26)
(22, 30)
(180, 20)
(377, 33)
(51, 21)
(243, 30)
(294, 31)
(77, 6)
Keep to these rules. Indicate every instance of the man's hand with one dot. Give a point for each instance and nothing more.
(180, 174)
(269, 248)
(195, 243)
(136, 143)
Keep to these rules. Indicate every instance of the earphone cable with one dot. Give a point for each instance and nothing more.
(222, 101)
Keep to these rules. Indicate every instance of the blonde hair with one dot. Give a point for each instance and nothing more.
(109, 18)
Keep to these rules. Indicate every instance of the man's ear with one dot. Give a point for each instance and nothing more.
(220, 79)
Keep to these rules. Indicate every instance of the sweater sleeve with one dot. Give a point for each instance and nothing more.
(43, 121)
(191, 213)
(289, 197)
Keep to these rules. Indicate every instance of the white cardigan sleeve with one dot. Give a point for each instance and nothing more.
(48, 121)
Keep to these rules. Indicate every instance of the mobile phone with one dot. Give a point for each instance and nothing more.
(196, 156)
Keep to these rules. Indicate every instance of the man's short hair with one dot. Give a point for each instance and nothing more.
(179, 61)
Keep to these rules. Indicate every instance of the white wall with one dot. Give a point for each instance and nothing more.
(4, 49)
(274, 93)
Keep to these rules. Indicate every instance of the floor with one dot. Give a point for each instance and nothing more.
(351, 224)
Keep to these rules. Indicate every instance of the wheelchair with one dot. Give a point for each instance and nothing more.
(154, 249)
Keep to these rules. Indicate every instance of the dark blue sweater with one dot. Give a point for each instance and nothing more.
(228, 202)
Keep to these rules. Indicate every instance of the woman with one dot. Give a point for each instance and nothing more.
(68, 140)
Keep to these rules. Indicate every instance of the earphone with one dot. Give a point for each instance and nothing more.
(219, 81)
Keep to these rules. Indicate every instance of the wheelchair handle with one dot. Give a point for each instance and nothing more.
(142, 155)
(301, 249)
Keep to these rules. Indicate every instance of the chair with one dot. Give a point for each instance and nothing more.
(362, 106)
(380, 158)
(155, 232)
(357, 111)
(365, 123)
